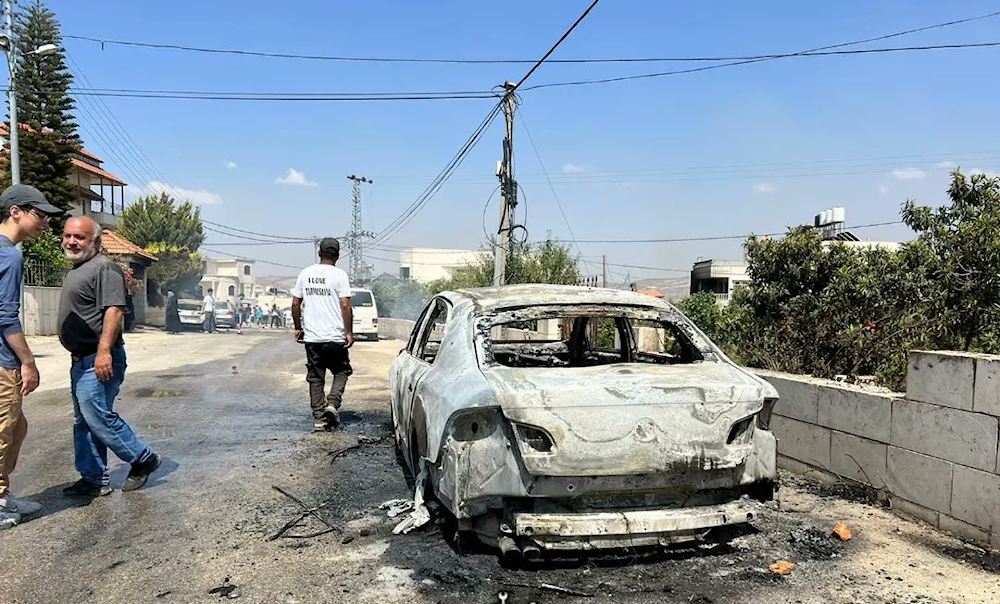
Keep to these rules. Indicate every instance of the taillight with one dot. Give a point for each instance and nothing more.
(535, 438)
(740, 432)
(475, 424)
(374, 322)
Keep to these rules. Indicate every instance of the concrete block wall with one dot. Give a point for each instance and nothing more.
(934, 450)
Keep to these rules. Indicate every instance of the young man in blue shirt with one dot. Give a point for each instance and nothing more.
(24, 214)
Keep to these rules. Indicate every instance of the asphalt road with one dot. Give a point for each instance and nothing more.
(234, 428)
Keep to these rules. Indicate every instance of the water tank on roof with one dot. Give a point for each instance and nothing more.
(818, 221)
(839, 215)
(824, 218)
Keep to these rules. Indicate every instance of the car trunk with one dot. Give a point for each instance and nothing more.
(630, 419)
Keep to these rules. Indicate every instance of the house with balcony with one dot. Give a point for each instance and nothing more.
(99, 193)
(424, 265)
(720, 277)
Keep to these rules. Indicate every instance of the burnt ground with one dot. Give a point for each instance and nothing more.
(203, 529)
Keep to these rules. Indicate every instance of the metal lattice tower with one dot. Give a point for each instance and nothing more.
(360, 271)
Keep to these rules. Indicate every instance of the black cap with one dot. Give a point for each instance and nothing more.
(329, 247)
(25, 197)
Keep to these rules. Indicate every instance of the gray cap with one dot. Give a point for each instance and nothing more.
(329, 247)
(25, 197)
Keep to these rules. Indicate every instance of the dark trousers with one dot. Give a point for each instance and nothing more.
(320, 358)
(209, 324)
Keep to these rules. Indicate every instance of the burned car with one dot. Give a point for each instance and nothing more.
(545, 417)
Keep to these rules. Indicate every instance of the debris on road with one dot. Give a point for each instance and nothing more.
(782, 567)
(396, 507)
(226, 590)
(307, 511)
(842, 531)
(420, 514)
(554, 588)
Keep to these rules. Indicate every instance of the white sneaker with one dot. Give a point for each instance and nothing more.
(13, 505)
(9, 520)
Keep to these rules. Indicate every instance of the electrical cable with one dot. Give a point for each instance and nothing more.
(725, 237)
(403, 219)
(645, 76)
(315, 57)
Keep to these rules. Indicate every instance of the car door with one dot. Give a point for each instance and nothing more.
(401, 374)
(424, 354)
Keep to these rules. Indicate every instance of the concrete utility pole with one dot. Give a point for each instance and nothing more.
(359, 270)
(604, 270)
(508, 191)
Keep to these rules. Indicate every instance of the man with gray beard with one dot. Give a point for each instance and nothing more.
(90, 328)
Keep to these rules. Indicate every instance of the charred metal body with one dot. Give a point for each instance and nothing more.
(569, 418)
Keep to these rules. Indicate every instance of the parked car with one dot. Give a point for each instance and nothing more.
(365, 311)
(190, 313)
(225, 315)
(546, 418)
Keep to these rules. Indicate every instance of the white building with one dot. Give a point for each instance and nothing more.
(720, 277)
(228, 278)
(430, 264)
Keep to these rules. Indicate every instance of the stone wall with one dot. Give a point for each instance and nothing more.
(934, 450)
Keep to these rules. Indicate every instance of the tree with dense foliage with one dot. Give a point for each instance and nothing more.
(48, 138)
(824, 308)
(547, 262)
(173, 233)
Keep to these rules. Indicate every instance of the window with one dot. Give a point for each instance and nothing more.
(361, 299)
(246, 270)
(232, 290)
(404, 273)
(589, 339)
(433, 332)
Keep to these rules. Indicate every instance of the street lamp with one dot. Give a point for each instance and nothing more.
(8, 46)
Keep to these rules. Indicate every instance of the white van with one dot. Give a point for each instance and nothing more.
(365, 314)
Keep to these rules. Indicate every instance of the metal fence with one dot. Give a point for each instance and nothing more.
(44, 274)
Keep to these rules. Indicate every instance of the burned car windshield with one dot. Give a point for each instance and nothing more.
(590, 339)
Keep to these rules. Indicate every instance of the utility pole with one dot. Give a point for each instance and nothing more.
(604, 270)
(508, 190)
(14, 129)
(359, 270)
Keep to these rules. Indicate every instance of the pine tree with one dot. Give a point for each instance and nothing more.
(44, 105)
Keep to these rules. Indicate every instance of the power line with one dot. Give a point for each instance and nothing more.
(205, 249)
(761, 169)
(807, 53)
(725, 237)
(346, 58)
(549, 180)
(286, 96)
(403, 219)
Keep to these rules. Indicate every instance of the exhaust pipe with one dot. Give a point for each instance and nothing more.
(508, 549)
(531, 552)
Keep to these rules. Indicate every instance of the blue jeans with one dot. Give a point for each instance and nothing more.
(96, 426)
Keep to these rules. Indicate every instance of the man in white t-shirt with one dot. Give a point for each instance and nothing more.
(321, 312)
(208, 307)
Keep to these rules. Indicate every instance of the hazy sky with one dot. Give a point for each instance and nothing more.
(750, 148)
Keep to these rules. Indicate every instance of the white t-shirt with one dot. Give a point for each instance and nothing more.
(209, 303)
(320, 287)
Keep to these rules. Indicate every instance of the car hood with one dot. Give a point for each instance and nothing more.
(631, 418)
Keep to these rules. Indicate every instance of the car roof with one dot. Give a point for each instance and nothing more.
(537, 294)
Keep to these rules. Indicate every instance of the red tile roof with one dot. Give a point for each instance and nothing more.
(101, 172)
(114, 244)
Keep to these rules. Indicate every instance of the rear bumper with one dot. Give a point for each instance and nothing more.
(622, 529)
